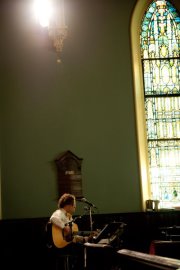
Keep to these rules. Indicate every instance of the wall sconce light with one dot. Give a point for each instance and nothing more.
(51, 14)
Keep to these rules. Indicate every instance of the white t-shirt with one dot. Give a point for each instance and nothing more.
(60, 218)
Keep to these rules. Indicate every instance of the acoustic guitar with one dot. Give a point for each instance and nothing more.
(61, 240)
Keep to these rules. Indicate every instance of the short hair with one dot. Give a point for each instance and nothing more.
(66, 199)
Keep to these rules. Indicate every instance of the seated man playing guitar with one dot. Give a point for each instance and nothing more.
(64, 229)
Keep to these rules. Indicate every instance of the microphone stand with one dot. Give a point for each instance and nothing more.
(90, 218)
(89, 208)
(90, 211)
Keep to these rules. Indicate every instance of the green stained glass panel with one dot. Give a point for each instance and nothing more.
(161, 76)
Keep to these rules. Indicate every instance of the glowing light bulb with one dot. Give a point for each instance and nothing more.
(43, 11)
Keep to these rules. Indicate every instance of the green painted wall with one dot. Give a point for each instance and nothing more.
(84, 105)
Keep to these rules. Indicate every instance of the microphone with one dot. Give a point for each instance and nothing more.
(87, 202)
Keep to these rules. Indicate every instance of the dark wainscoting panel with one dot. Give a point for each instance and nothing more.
(23, 241)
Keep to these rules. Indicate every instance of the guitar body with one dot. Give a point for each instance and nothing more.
(58, 238)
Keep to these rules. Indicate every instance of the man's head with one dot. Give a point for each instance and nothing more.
(68, 202)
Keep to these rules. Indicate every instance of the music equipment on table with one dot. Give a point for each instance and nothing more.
(109, 233)
(101, 252)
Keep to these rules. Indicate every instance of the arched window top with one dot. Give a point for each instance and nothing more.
(160, 31)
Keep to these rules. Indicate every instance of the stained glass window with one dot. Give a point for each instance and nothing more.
(160, 56)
